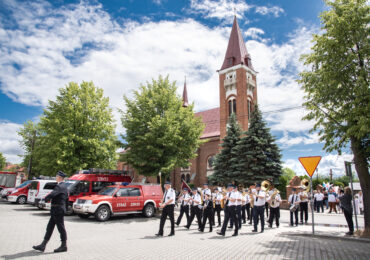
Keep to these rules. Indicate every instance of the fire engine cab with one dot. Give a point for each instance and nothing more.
(89, 182)
(120, 200)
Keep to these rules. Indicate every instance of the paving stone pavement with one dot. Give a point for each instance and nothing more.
(132, 237)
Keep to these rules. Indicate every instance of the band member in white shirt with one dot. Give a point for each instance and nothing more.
(230, 209)
(195, 209)
(184, 205)
(207, 191)
(168, 206)
(259, 208)
(274, 200)
(294, 200)
(303, 205)
(217, 200)
(238, 209)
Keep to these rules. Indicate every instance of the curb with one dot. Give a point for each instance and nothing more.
(348, 238)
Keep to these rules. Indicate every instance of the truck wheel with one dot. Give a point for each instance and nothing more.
(22, 200)
(102, 213)
(149, 210)
(83, 216)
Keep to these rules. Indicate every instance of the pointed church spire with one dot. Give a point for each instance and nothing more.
(185, 96)
(236, 52)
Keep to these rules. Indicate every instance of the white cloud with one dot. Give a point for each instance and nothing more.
(9, 142)
(274, 10)
(118, 58)
(254, 32)
(330, 161)
(288, 141)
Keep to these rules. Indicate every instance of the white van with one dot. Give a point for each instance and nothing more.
(39, 189)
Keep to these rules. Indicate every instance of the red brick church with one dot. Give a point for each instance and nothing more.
(238, 94)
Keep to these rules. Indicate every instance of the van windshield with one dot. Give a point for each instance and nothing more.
(107, 191)
(24, 184)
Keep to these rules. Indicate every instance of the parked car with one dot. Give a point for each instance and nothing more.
(89, 182)
(119, 200)
(5, 192)
(19, 195)
(39, 189)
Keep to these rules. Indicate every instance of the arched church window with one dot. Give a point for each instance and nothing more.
(182, 177)
(232, 106)
(249, 108)
(187, 178)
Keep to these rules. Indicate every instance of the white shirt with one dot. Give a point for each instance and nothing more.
(319, 196)
(293, 198)
(246, 199)
(238, 197)
(218, 198)
(260, 201)
(332, 198)
(233, 195)
(277, 201)
(208, 192)
(196, 199)
(303, 194)
(169, 195)
(184, 199)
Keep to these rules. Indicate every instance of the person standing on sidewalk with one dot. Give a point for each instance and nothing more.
(294, 200)
(59, 203)
(332, 198)
(168, 206)
(346, 203)
(184, 206)
(303, 205)
(319, 201)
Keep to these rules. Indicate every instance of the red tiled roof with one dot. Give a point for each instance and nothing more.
(211, 119)
(236, 49)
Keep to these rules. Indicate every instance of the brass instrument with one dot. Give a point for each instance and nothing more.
(306, 183)
(273, 197)
(251, 197)
(266, 185)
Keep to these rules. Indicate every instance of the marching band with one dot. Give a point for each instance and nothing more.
(239, 206)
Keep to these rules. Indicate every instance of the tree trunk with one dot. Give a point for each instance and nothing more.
(362, 169)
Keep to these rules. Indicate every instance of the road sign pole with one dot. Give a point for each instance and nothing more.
(312, 209)
(353, 201)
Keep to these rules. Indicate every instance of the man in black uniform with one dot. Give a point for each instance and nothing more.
(207, 212)
(230, 211)
(184, 206)
(59, 202)
(195, 210)
(168, 206)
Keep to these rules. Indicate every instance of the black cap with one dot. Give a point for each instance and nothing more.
(215, 189)
(294, 189)
(194, 189)
(61, 174)
(205, 184)
(230, 185)
(258, 185)
(186, 189)
(167, 183)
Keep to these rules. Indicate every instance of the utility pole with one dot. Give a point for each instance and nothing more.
(29, 168)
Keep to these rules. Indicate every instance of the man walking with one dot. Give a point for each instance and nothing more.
(184, 206)
(259, 208)
(168, 206)
(59, 203)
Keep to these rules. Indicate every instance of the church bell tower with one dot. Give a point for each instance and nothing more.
(238, 88)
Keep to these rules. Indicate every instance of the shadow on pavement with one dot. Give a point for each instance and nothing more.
(152, 237)
(125, 219)
(29, 253)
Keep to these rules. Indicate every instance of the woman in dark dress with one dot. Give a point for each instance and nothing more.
(346, 204)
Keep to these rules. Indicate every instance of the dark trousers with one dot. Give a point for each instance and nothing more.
(320, 205)
(304, 208)
(259, 213)
(333, 206)
(167, 211)
(248, 210)
(243, 213)
(348, 216)
(195, 211)
(230, 214)
(252, 216)
(56, 218)
(207, 214)
(274, 214)
(296, 217)
(183, 209)
(267, 209)
(238, 217)
(218, 211)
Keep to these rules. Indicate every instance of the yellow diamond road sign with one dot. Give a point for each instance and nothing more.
(310, 163)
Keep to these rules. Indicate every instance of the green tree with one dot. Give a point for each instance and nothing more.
(77, 131)
(284, 179)
(29, 134)
(257, 157)
(223, 164)
(161, 134)
(337, 85)
(2, 161)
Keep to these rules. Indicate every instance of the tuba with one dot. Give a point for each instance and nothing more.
(265, 185)
(273, 196)
(306, 183)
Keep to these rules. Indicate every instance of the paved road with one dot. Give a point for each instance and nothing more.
(132, 237)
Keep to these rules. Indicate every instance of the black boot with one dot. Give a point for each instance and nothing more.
(41, 247)
(62, 248)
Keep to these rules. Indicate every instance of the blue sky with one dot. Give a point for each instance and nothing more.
(119, 44)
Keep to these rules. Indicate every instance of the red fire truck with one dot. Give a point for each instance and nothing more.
(120, 200)
(7, 180)
(88, 182)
